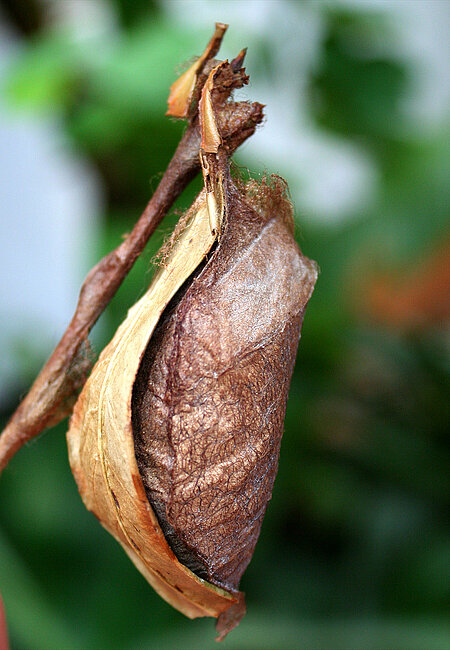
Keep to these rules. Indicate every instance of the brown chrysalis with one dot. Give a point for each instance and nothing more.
(174, 441)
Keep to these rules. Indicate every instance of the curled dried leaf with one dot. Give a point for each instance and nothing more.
(182, 90)
(175, 439)
(100, 437)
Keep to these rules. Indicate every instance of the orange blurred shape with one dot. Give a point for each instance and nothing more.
(4, 645)
(415, 298)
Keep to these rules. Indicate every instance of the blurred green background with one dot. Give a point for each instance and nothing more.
(354, 551)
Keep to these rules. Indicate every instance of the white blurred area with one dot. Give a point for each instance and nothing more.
(50, 202)
(50, 199)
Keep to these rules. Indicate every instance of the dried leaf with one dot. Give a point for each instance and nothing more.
(175, 439)
(100, 438)
(182, 90)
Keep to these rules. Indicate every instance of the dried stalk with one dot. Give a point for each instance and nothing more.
(54, 391)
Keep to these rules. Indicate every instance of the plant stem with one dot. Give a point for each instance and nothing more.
(54, 391)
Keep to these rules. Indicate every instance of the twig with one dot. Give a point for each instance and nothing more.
(53, 393)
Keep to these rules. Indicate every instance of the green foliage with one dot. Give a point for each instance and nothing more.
(353, 552)
(360, 89)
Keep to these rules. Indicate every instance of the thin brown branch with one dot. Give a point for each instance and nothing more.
(52, 395)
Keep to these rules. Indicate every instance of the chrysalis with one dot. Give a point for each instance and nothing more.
(175, 439)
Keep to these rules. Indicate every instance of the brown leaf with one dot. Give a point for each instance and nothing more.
(182, 90)
(174, 441)
(100, 438)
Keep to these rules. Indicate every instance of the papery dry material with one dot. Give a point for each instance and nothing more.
(210, 396)
(174, 441)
